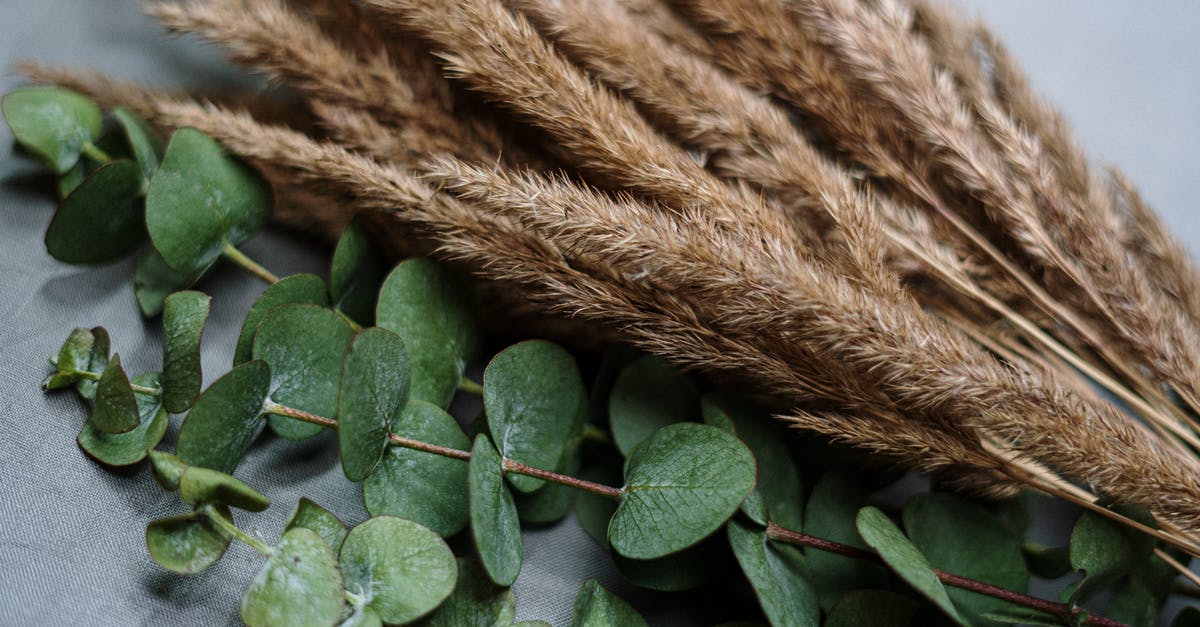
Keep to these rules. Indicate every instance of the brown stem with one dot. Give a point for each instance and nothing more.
(445, 451)
(1061, 611)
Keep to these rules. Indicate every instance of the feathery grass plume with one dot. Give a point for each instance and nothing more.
(660, 18)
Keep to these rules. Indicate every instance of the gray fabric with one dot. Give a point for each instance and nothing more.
(71, 542)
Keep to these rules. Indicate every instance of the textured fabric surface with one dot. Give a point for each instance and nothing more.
(71, 532)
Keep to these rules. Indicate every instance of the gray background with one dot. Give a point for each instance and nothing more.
(71, 553)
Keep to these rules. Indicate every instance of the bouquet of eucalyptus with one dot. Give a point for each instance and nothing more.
(851, 215)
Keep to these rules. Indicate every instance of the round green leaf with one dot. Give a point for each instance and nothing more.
(881, 534)
(189, 543)
(101, 219)
(124, 449)
(362, 617)
(648, 394)
(960, 537)
(144, 143)
(831, 513)
(872, 608)
(168, 469)
(355, 274)
(73, 358)
(201, 200)
(299, 288)
(299, 585)
(494, 523)
(551, 502)
(1105, 551)
(225, 419)
(534, 399)
(431, 309)
(154, 280)
(401, 569)
(476, 601)
(374, 388)
(682, 484)
(52, 123)
(313, 517)
(115, 409)
(425, 488)
(203, 486)
(72, 178)
(592, 510)
(304, 346)
(776, 572)
(184, 315)
(597, 607)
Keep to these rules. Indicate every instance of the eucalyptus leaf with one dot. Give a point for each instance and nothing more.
(203, 486)
(124, 449)
(551, 502)
(777, 574)
(831, 512)
(52, 123)
(1023, 617)
(597, 607)
(872, 608)
(201, 200)
(116, 408)
(71, 179)
(295, 289)
(647, 395)
(154, 280)
(1105, 551)
(431, 309)
(401, 569)
(315, 518)
(184, 316)
(101, 219)
(682, 484)
(1138, 599)
(299, 585)
(355, 274)
(494, 523)
(684, 570)
(475, 602)
(168, 469)
(224, 421)
(144, 143)
(881, 534)
(374, 386)
(362, 617)
(534, 399)
(189, 543)
(592, 511)
(423, 487)
(304, 346)
(97, 363)
(74, 357)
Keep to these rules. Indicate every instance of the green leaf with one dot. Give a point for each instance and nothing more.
(168, 469)
(592, 510)
(295, 289)
(476, 601)
(355, 274)
(682, 484)
(154, 280)
(71, 179)
(872, 608)
(779, 488)
(189, 543)
(830, 514)
(52, 123)
(1138, 598)
(299, 585)
(184, 315)
(1023, 617)
(401, 569)
(203, 486)
(1105, 550)
(1047, 562)
(97, 362)
(597, 607)
(200, 200)
(74, 357)
(116, 409)
(551, 502)
(494, 524)
(374, 388)
(124, 449)
(101, 219)
(960, 537)
(304, 346)
(776, 572)
(225, 419)
(648, 394)
(432, 310)
(144, 143)
(534, 399)
(315, 518)
(362, 617)
(881, 534)
(685, 570)
(423, 487)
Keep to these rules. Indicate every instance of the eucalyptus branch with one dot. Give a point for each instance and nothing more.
(468, 385)
(233, 530)
(140, 389)
(230, 252)
(446, 451)
(1061, 611)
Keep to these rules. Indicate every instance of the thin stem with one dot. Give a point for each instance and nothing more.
(233, 530)
(595, 434)
(140, 389)
(94, 153)
(1061, 611)
(230, 252)
(272, 407)
(468, 385)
